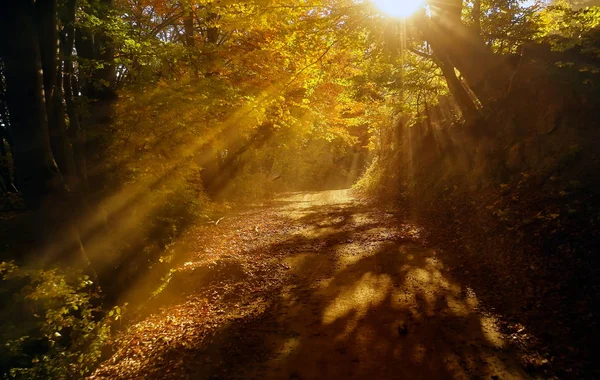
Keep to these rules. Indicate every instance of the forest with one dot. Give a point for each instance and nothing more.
(310, 189)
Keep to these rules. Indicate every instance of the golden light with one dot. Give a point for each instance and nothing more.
(398, 8)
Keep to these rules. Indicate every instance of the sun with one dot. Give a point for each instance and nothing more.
(398, 8)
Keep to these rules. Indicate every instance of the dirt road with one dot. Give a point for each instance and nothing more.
(313, 286)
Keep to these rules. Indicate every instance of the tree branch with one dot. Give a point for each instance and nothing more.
(421, 54)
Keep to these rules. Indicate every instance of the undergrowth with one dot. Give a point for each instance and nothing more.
(52, 325)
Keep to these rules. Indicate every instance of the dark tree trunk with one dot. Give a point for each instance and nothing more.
(212, 38)
(189, 39)
(483, 71)
(55, 236)
(212, 32)
(188, 24)
(5, 180)
(38, 174)
(480, 67)
(61, 143)
(476, 14)
(45, 21)
(459, 92)
(70, 87)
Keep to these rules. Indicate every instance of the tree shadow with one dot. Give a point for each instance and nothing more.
(363, 299)
(390, 314)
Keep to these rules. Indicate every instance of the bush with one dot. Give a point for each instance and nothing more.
(377, 182)
(51, 327)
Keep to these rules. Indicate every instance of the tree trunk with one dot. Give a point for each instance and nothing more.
(55, 237)
(212, 37)
(188, 24)
(61, 143)
(70, 86)
(38, 174)
(476, 14)
(483, 71)
(5, 163)
(5, 181)
(45, 21)
(188, 32)
(212, 33)
(459, 93)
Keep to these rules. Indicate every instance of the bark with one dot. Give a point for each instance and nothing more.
(77, 139)
(61, 143)
(476, 14)
(3, 106)
(188, 31)
(452, 41)
(70, 87)
(38, 174)
(46, 22)
(188, 24)
(5, 164)
(55, 237)
(45, 19)
(459, 92)
(212, 38)
(5, 180)
(212, 33)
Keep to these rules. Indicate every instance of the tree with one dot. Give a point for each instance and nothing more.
(37, 172)
(38, 130)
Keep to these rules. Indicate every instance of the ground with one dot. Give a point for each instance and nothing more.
(313, 286)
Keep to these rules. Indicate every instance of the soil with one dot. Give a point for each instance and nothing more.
(313, 286)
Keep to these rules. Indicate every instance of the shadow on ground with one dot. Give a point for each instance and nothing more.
(360, 298)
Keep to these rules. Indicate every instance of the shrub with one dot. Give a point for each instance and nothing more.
(51, 326)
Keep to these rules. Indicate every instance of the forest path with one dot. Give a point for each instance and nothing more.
(313, 286)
